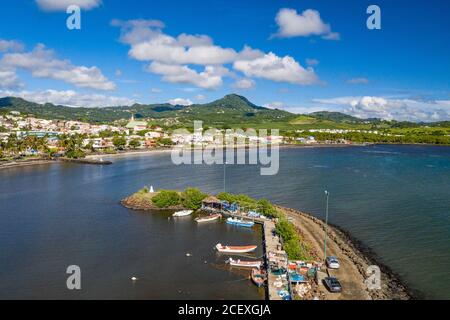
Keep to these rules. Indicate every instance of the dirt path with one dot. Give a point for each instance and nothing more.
(353, 262)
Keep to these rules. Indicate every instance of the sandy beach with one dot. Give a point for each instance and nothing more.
(24, 163)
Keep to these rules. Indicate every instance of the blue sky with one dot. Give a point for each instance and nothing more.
(301, 56)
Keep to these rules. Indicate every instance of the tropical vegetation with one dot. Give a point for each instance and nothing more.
(166, 198)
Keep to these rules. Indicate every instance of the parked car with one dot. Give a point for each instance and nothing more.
(333, 262)
(332, 284)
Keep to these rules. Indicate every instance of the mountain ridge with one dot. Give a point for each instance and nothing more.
(230, 109)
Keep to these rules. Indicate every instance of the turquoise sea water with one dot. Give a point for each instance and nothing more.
(395, 199)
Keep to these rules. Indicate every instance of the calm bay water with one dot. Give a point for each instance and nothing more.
(395, 199)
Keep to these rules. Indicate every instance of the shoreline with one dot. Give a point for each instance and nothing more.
(362, 256)
(97, 156)
(25, 163)
(285, 146)
(355, 257)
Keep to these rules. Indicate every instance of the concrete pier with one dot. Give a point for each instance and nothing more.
(271, 243)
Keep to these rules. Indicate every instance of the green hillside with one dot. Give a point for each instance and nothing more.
(230, 111)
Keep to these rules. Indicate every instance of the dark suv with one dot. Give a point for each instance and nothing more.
(332, 284)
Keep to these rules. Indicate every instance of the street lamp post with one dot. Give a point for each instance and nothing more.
(326, 227)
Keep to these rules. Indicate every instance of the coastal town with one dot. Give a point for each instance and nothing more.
(28, 136)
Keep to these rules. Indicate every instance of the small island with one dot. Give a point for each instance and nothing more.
(297, 234)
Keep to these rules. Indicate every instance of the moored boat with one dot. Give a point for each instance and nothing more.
(240, 222)
(211, 217)
(258, 277)
(182, 213)
(244, 264)
(235, 249)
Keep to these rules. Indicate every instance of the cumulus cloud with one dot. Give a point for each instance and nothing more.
(308, 23)
(9, 79)
(392, 109)
(61, 5)
(244, 83)
(173, 57)
(149, 43)
(275, 68)
(209, 78)
(42, 63)
(11, 46)
(70, 98)
(358, 81)
(180, 102)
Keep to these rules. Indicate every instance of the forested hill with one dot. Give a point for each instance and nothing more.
(232, 110)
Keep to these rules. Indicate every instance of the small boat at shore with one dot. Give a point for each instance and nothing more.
(235, 249)
(258, 277)
(240, 222)
(244, 264)
(211, 217)
(182, 213)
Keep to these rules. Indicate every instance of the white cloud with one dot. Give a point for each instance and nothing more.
(358, 81)
(149, 43)
(308, 23)
(189, 89)
(61, 5)
(42, 63)
(210, 78)
(272, 67)
(274, 105)
(11, 46)
(180, 102)
(70, 98)
(173, 57)
(312, 62)
(9, 79)
(391, 108)
(244, 83)
(200, 97)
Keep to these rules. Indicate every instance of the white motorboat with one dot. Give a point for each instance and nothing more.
(183, 213)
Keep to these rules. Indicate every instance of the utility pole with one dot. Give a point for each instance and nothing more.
(326, 227)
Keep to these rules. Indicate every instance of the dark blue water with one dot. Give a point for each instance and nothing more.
(395, 199)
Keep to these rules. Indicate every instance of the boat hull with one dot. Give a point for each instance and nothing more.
(209, 218)
(183, 213)
(240, 223)
(258, 278)
(244, 264)
(235, 249)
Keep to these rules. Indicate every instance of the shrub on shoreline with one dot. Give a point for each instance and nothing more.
(166, 198)
(144, 190)
(192, 198)
(294, 246)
